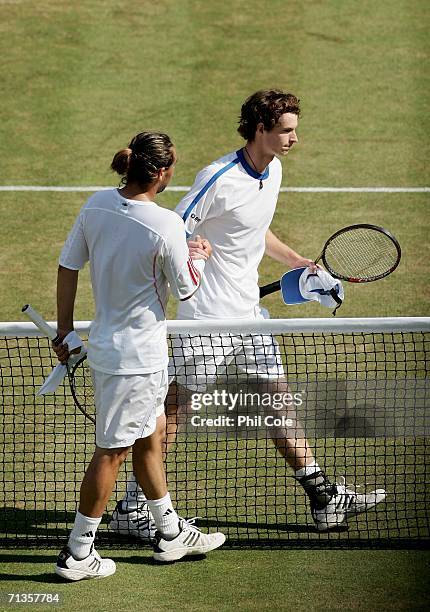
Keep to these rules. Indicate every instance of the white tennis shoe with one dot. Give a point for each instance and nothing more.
(343, 504)
(190, 541)
(92, 566)
(138, 523)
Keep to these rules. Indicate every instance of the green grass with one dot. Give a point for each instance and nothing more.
(251, 580)
(80, 79)
(405, 293)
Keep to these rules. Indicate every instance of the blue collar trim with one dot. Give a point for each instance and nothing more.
(249, 169)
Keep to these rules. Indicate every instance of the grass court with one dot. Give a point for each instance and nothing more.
(80, 80)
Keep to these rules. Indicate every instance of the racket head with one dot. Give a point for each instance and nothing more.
(361, 253)
(81, 386)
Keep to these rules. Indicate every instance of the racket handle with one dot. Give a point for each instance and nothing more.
(40, 323)
(270, 288)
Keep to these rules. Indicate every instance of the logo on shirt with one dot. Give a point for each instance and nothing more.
(195, 217)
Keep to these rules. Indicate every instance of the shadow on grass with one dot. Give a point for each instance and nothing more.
(52, 578)
(20, 528)
(46, 578)
(16, 522)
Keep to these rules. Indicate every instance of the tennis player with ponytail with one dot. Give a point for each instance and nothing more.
(135, 249)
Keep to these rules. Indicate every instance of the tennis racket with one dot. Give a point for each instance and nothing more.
(360, 253)
(81, 386)
(79, 375)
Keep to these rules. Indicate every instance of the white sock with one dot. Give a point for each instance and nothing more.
(165, 517)
(82, 535)
(307, 470)
(134, 496)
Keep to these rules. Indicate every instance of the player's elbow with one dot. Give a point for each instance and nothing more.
(187, 297)
(190, 295)
(67, 271)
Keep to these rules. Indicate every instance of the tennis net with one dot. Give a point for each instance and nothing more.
(358, 387)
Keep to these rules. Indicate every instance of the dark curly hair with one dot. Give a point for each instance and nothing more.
(145, 155)
(266, 107)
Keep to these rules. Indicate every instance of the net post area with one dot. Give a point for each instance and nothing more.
(351, 394)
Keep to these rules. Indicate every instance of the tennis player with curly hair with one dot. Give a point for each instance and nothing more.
(231, 204)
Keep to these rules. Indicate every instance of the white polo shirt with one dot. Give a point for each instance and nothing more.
(227, 206)
(135, 249)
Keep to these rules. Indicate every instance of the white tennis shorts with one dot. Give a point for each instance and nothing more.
(197, 361)
(127, 407)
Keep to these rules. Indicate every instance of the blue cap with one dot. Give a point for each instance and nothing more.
(302, 285)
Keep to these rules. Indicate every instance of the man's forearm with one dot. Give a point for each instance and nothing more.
(284, 254)
(280, 251)
(67, 283)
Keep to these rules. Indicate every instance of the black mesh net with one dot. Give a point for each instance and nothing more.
(364, 416)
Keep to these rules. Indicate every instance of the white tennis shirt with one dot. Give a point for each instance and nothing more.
(227, 206)
(135, 249)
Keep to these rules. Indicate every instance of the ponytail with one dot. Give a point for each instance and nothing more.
(121, 161)
(146, 154)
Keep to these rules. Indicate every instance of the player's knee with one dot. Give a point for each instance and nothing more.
(115, 456)
(120, 456)
(161, 429)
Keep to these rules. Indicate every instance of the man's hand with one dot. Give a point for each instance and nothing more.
(199, 248)
(303, 262)
(62, 350)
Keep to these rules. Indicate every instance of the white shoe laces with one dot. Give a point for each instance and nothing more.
(189, 524)
(351, 489)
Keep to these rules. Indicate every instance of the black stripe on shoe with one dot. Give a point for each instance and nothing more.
(188, 538)
(192, 538)
(95, 564)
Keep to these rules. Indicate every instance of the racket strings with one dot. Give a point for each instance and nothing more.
(361, 253)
